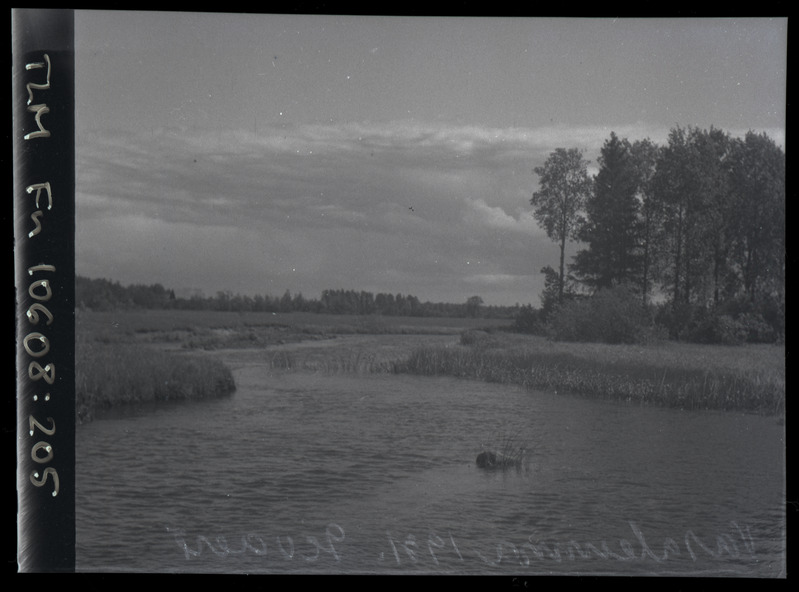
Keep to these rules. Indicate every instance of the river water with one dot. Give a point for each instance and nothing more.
(311, 473)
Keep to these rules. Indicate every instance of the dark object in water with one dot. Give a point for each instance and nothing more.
(486, 460)
(496, 460)
(506, 451)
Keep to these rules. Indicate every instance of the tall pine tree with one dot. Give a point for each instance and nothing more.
(611, 228)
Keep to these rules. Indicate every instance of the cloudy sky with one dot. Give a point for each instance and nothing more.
(265, 153)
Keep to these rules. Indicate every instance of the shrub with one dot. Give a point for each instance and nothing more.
(470, 337)
(680, 320)
(733, 322)
(528, 320)
(612, 315)
(757, 329)
(717, 328)
(726, 329)
(762, 321)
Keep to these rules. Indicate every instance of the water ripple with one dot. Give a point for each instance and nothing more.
(391, 461)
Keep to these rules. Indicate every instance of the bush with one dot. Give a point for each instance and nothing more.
(717, 328)
(726, 329)
(612, 315)
(528, 320)
(762, 321)
(469, 337)
(757, 329)
(678, 320)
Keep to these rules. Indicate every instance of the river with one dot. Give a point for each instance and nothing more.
(303, 472)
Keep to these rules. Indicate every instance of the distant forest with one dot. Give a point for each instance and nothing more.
(105, 295)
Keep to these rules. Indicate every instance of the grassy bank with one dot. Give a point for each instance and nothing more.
(137, 356)
(748, 379)
(122, 358)
(114, 374)
(350, 354)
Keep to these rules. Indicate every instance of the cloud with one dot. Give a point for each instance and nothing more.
(396, 206)
(386, 206)
(479, 214)
(492, 278)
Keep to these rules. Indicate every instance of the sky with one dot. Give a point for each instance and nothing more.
(260, 153)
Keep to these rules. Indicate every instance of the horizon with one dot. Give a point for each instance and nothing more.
(264, 153)
(188, 293)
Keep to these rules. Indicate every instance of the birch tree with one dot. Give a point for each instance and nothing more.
(564, 185)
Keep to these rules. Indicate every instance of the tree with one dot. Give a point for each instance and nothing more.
(650, 220)
(223, 298)
(713, 149)
(680, 187)
(611, 226)
(564, 185)
(758, 185)
(285, 302)
(366, 303)
(694, 184)
(473, 304)
(298, 303)
(557, 290)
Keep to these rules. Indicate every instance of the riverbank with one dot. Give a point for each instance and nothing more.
(748, 378)
(136, 356)
(116, 374)
(141, 356)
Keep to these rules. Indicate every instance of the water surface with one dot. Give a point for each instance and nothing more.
(309, 473)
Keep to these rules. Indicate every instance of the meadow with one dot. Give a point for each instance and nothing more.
(204, 329)
(146, 355)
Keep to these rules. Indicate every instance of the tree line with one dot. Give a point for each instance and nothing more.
(697, 224)
(104, 295)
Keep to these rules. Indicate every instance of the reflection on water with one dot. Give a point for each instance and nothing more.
(376, 474)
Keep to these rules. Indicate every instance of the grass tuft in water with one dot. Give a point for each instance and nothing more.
(504, 451)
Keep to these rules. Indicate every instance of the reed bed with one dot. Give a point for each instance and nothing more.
(122, 364)
(114, 374)
(639, 381)
(331, 362)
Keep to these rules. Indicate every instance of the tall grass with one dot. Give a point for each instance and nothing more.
(332, 361)
(688, 376)
(642, 381)
(110, 374)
